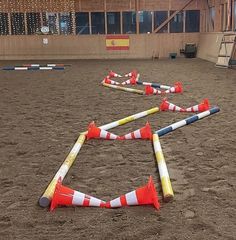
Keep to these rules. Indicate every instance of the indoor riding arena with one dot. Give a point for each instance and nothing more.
(117, 119)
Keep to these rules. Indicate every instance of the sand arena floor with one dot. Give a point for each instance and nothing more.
(42, 114)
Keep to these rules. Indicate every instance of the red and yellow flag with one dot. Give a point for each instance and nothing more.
(117, 42)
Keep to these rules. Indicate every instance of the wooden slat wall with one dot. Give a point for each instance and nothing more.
(91, 47)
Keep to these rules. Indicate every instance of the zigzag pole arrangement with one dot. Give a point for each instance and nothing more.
(57, 194)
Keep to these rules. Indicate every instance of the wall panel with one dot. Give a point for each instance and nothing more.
(91, 47)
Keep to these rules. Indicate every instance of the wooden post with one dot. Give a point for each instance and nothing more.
(90, 23)
(137, 16)
(25, 23)
(73, 23)
(184, 21)
(121, 23)
(58, 23)
(9, 23)
(152, 12)
(105, 16)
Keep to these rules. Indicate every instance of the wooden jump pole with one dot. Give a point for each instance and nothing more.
(141, 92)
(163, 171)
(45, 199)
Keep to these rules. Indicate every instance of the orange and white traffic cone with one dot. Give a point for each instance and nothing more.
(109, 81)
(203, 106)
(143, 133)
(145, 195)
(131, 81)
(178, 88)
(68, 197)
(132, 74)
(152, 91)
(95, 132)
(165, 106)
(113, 74)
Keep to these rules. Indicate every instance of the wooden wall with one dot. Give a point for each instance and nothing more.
(92, 46)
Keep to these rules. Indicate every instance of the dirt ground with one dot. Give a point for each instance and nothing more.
(42, 114)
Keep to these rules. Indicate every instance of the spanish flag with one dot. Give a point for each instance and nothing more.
(117, 42)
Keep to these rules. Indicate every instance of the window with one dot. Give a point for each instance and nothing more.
(4, 29)
(212, 17)
(129, 22)
(98, 23)
(176, 23)
(113, 22)
(65, 23)
(82, 23)
(50, 20)
(159, 18)
(145, 21)
(33, 22)
(17, 23)
(192, 22)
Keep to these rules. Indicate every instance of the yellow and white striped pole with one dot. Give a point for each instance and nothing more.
(124, 88)
(45, 199)
(163, 171)
(127, 119)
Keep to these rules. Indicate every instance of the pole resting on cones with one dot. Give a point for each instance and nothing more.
(165, 106)
(65, 196)
(152, 91)
(203, 106)
(95, 132)
(109, 81)
(131, 81)
(142, 133)
(132, 74)
(145, 195)
(163, 171)
(178, 88)
(113, 74)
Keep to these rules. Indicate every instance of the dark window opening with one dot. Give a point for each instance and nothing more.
(113, 22)
(82, 23)
(98, 22)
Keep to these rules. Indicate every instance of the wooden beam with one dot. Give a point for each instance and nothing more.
(172, 16)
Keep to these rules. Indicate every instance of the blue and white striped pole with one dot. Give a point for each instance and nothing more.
(187, 121)
(155, 85)
(31, 68)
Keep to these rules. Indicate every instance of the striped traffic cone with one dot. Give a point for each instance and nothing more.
(131, 81)
(109, 81)
(203, 106)
(152, 91)
(145, 195)
(113, 74)
(165, 106)
(95, 132)
(143, 133)
(132, 74)
(178, 88)
(68, 197)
